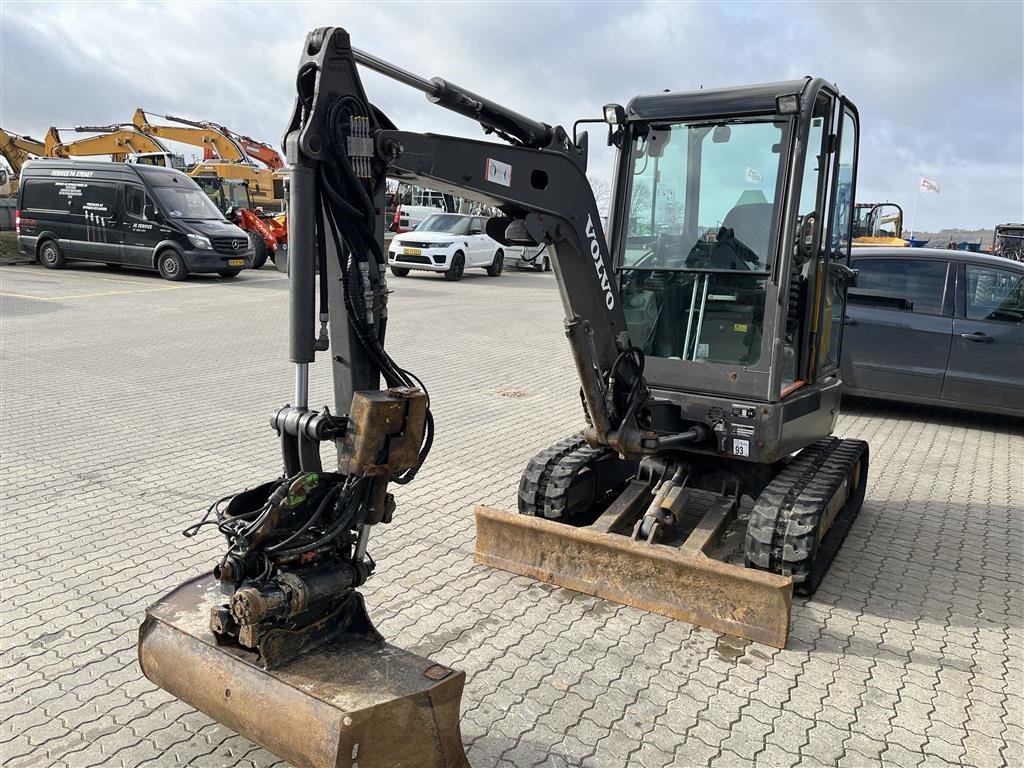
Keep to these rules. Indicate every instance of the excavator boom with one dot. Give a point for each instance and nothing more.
(223, 146)
(17, 149)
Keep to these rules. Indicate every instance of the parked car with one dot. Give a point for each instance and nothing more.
(936, 326)
(533, 257)
(125, 214)
(448, 243)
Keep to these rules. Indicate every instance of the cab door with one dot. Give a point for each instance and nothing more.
(141, 236)
(986, 359)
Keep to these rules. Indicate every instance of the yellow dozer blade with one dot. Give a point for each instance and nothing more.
(682, 582)
(353, 700)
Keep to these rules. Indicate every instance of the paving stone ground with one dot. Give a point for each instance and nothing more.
(128, 404)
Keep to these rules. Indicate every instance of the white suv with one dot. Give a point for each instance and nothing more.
(448, 243)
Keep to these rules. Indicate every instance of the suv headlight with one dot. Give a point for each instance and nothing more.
(200, 241)
(440, 245)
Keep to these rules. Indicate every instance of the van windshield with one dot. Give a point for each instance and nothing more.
(186, 203)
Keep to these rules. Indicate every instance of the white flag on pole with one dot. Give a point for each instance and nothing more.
(929, 186)
(753, 177)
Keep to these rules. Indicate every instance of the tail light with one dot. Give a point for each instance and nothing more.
(17, 221)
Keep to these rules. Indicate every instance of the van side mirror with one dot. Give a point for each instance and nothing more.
(149, 213)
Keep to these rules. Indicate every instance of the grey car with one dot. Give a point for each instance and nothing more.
(936, 326)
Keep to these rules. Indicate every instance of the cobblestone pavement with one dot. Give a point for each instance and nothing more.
(128, 404)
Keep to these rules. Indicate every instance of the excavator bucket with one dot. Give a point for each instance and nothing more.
(682, 582)
(351, 701)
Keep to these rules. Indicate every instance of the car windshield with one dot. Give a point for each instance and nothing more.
(698, 238)
(182, 202)
(444, 222)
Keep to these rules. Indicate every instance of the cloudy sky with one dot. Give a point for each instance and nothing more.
(940, 86)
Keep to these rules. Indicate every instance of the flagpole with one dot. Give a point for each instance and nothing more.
(913, 218)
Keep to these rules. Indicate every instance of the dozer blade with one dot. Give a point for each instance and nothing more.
(682, 583)
(352, 701)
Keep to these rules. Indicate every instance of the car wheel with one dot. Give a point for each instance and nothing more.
(229, 272)
(458, 266)
(538, 266)
(171, 266)
(260, 257)
(497, 265)
(547, 266)
(50, 256)
(400, 271)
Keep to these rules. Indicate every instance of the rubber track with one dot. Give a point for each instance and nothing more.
(562, 476)
(782, 535)
(534, 481)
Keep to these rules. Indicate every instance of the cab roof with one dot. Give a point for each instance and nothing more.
(735, 102)
(156, 175)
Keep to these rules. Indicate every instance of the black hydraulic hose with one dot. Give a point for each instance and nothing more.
(328, 498)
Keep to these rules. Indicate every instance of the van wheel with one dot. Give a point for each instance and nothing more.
(229, 272)
(400, 271)
(454, 273)
(50, 256)
(497, 265)
(171, 266)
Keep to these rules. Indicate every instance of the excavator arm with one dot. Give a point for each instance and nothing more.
(16, 149)
(538, 180)
(118, 141)
(221, 144)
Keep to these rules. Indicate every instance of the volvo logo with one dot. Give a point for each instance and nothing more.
(602, 275)
(235, 245)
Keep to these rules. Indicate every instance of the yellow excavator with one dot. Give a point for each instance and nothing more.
(224, 156)
(16, 149)
(122, 142)
(879, 225)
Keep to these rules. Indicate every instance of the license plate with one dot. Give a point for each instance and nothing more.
(236, 262)
(412, 251)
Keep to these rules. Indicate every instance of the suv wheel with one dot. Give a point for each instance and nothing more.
(400, 271)
(454, 273)
(171, 266)
(51, 257)
(497, 265)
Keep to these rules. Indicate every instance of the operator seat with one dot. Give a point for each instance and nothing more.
(751, 224)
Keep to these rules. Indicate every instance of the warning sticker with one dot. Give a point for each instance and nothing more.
(498, 172)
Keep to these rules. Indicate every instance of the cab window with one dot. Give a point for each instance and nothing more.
(994, 294)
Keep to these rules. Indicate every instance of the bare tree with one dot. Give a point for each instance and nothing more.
(602, 193)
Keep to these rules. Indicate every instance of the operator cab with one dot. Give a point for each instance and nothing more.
(736, 205)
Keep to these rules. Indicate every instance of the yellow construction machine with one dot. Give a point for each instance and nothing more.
(121, 142)
(16, 150)
(879, 225)
(224, 155)
(705, 323)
